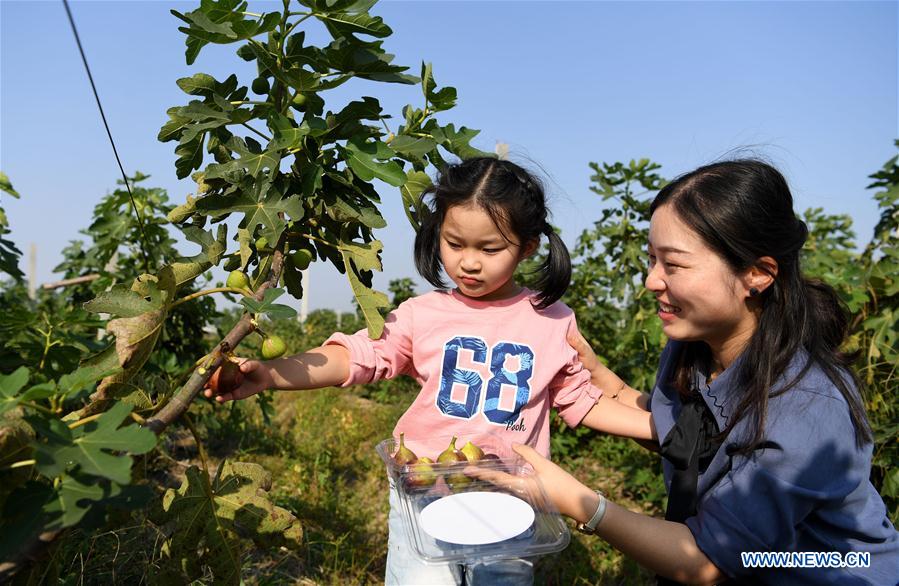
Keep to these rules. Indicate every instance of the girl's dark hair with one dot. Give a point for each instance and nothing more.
(743, 210)
(513, 198)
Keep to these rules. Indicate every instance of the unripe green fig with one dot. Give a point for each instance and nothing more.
(273, 347)
(301, 258)
(260, 86)
(238, 280)
(472, 452)
(261, 243)
(404, 456)
(299, 101)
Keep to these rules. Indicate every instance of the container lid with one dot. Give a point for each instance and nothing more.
(476, 518)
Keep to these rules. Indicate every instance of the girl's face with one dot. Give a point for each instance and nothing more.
(700, 297)
(477, 256)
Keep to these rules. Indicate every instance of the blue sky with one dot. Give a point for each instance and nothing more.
(811, 86)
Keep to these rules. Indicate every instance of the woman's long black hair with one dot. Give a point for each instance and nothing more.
(743, 210)
(513, 198)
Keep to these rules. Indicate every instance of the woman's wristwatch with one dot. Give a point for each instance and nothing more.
(590, 526)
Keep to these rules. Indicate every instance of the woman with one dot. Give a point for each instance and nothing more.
(763, 434)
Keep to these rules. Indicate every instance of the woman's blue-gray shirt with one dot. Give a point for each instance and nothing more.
(806, 489)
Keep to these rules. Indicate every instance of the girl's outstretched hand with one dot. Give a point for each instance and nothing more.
(238, 380)
(562, 489)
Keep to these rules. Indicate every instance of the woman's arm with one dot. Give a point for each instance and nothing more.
(664, 547)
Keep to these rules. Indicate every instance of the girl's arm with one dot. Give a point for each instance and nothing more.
(664, 547)
(602, 377)
(610, 416)
(325, 366)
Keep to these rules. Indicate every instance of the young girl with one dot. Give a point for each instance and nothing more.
(490, 355)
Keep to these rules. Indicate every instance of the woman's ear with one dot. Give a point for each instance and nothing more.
(759, 277)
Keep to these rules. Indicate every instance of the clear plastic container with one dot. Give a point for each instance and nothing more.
(420, 487)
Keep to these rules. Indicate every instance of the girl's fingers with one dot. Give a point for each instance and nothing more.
(247, 366)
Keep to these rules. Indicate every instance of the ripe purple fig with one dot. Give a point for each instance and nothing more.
(404, 456)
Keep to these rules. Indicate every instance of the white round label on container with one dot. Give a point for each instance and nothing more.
(475, 518)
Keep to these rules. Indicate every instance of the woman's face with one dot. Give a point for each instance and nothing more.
(700, 297)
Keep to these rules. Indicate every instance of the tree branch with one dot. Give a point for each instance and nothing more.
(183, 398)
(68, 282)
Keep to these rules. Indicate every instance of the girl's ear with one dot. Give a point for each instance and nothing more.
(759, 277)
(530, 248)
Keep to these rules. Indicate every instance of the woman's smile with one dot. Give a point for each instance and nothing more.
(667, 312)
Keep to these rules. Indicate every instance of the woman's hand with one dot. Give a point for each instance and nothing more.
(565, 491)
(603, 378)
(584, 352)
(254, 377)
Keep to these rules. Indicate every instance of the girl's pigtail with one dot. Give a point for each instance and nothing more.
(555, 272)
(427, 248)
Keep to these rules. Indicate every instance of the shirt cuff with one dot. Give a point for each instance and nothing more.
(572, 413)
(362, 358)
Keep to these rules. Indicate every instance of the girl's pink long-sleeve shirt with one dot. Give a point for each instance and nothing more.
(489, 371)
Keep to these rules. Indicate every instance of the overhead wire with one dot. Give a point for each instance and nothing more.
(140, 222)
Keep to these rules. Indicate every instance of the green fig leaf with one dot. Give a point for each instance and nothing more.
(439, 101)
(122, 301)
(416, 183)
(201, 84)
(215, 516)
(10, 385)
(413, 146)
(457, 142)
(89, 446)
(342, 24)
(364, 257)
(6, 185)
(257, 211)
(268, 306)
(362, 159)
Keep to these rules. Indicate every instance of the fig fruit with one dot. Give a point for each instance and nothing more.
(404, 455)
(273, 347)
(261, 243)
(260, 86)
(421, 474)
(472, 452)
(226, 378)
(238, 280)
(299, 101)
(301, 258)
(451, 456)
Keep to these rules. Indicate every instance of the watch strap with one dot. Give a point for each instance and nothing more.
(590, 526)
